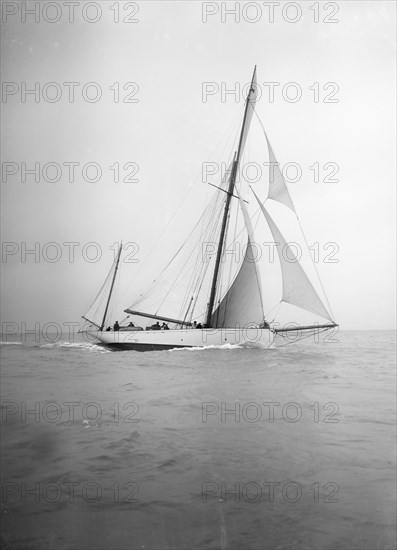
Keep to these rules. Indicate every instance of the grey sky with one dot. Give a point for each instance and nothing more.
(170, 131)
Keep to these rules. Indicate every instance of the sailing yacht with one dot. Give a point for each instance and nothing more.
(205, 297)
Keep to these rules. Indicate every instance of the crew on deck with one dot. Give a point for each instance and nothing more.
(156, 326)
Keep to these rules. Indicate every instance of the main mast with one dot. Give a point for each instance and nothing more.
(230, 190)
(111, 287)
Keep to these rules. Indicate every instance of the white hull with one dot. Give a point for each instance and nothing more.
(151, 340)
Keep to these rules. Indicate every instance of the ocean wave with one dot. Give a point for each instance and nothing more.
(12, 343)
(227, 346)
(212, 346)
(84, 346)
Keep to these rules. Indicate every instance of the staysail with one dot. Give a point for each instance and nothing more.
(296, 286)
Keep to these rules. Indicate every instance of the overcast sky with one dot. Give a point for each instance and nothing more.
(168, 131)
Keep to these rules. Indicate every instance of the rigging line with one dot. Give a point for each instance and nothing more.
(177, 210)
(221, 270)
(180, 272)
(315, 267)
(102, 287)
(195, 285)
(167, 265)
(215, 206)
(219, 200)
(161, 236)
(198, 266)
(257, 212)
(241, 231)
(200, 283)
(150, 288)
(274, 307)
(312, 262)
(211, 229)
(204, 266)
(202, 218)
(112, 306)
(229, 131)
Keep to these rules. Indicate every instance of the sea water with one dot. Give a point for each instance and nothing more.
(288, 448)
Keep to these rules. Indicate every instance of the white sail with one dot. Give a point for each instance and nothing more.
(181, 290)
(296, 286)
(242, 303)
(277, 187)
(96, 311)
(99, 309)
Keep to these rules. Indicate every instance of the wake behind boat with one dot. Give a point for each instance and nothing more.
(205, 297)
